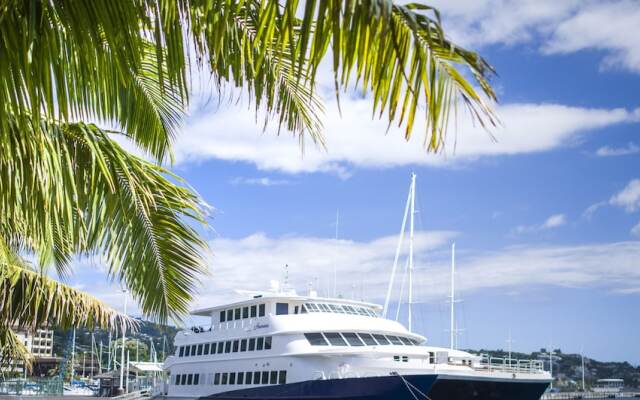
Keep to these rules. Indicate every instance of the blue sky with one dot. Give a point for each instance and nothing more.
(546, 220)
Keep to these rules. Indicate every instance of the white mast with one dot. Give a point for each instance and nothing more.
(73, 353)
(335, 272)
(385, 310)
(124, 337)
(453, 299)
(413, 205)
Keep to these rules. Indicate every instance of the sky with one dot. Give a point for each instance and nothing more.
(546, 218)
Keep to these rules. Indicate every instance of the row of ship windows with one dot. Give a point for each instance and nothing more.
(230, 346)
(356, 339)
(338, 308)
(257, 310)
(236, 378)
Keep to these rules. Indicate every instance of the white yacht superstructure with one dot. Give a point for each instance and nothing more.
(279, 344)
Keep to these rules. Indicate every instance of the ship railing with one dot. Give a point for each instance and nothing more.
(506, 364)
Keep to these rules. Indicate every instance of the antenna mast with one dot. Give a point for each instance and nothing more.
(335, 271)
(453, 298)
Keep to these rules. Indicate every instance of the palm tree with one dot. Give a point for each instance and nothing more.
(75, 74)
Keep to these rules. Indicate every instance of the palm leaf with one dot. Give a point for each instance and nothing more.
(79, 192)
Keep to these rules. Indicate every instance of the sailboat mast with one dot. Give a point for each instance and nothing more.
(453, 298)
(413, 206)
(385, 310)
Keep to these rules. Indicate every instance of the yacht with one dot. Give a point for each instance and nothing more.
(280, 345)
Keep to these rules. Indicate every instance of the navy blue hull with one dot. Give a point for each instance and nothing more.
(451, 388)
(371, 388)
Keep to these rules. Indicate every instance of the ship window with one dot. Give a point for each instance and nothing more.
(367, 339)
(362, 311)
(381, 339)
(396, 358)
(282, 308)
(405, 340)
(177, 382)
(220, 347)
(311, 307)
(353, 339)
(267, 343)
(254, 311)
(227, 347)
(181, 351)
(256, 378)
(187, 351)
(238, 313)
(282, 377)
(259, 343)
(245, 312)
(196, 379)
(252, 344)
(249, 376)
(324, 307)
(200, 349)
(225, 378)
(261, 310)
(243, 345)
(333, 308)
(216, 378)
(349, 309)
(315, 339)
(394, 340)
(273, 377)
(295, 309)
(206, 349)
(189, 379)
(432, 357)
(232, 378)
(236, 346)
(193, 349)
(183, 379)
(405, 359)
(229, 315)
(240, 378)
(265, 377)
(303, 309)
(222, 315)
(335, 339)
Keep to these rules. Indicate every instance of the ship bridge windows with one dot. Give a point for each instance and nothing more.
(356, 339)
(282, 308)
(338, 309)
(234, 314)
(316, 339)
(335, 339)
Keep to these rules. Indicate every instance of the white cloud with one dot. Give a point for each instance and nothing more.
(261, 181)
(251, 262)
(607, 151)
(556, 26)
(629, 197)
(610, 26)
(354, 139)
(635, 231)
(554, 221)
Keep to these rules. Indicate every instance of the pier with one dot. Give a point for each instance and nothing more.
(589, 395)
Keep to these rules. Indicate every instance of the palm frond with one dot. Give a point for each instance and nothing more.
(80, 60)
(12, 350)
(30, 299)
(79, 192)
